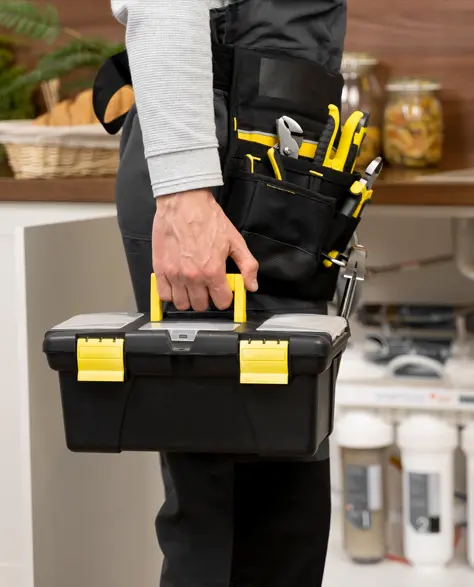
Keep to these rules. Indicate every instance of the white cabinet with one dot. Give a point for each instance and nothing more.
(66, 519)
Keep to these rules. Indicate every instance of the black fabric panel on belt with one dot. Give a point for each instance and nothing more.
(268, 85)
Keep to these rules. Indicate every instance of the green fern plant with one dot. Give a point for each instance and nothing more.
(42, 23)
(17, 104)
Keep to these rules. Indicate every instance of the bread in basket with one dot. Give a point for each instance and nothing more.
(67, 141)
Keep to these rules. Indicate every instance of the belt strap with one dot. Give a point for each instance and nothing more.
(112, 76)
(115, 74)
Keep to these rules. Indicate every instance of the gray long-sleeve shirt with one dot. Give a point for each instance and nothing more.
(169, 50)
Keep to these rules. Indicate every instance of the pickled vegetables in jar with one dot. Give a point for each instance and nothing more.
(413, 123)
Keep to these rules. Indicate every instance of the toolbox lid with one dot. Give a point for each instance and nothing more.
(265, 349)
(108, 320)
(334, 326)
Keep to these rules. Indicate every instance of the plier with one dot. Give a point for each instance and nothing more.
(290, 139)
(361, 190)
(352, 136)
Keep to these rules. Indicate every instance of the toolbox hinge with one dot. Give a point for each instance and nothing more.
(100, 359)
(264, 362)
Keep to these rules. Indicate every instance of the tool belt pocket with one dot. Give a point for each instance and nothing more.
(284, 225)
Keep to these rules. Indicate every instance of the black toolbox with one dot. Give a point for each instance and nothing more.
(134, 382)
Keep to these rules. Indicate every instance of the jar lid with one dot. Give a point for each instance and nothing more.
(352, 60)
(406, 84)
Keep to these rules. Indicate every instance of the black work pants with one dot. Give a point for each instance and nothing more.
(226, 521)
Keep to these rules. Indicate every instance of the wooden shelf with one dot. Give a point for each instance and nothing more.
(57, 190)
(435, 187)
(394, 188)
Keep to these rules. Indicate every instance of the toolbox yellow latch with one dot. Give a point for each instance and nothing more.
(100, 359)
(264, 362)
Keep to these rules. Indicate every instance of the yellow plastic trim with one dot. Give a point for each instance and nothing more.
(307, 149)
(252, 160)
(274, 164)
(316, 173)
(156, 304)
(359, 190)
(365, 197)
(100, 359)
(264, 362)
(236, 284)
(349, 136)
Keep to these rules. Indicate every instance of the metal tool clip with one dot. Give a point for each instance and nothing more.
(290, 137)
(354, 271)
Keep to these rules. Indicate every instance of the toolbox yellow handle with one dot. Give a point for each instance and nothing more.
(236, 284)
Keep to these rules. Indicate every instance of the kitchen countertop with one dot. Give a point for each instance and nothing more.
(395, 187)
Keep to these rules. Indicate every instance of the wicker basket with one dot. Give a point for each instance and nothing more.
(32, 161)
(46, 152)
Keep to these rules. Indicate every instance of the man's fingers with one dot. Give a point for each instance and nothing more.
(180, 296)
(198, 296)
(219, 289)
(164, 288)
(245, 261)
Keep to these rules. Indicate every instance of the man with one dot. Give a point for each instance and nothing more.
(225, 522)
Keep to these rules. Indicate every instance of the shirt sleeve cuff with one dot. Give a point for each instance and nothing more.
(171, 173)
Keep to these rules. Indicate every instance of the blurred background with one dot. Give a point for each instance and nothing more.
(403, 448)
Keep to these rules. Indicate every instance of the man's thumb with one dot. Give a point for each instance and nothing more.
(245, 261)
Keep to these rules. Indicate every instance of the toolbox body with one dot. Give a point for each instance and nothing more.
(204, 384)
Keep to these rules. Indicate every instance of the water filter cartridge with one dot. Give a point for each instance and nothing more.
(467, 444)
(427, 445)
(364, 439)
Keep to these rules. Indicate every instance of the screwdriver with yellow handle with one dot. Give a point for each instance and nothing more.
(352, 136)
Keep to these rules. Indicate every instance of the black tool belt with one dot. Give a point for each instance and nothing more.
(289, 209)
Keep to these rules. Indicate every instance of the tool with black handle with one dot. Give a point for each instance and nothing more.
(324, 152)
(352, 137)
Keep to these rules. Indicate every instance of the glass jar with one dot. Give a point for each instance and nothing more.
(363, 91)
(413, 123)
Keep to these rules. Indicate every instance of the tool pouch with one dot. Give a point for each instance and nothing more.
(289, 223)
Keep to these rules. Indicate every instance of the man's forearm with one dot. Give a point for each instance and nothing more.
(169, 49)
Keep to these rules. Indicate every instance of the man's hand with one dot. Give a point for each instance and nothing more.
(192, 239)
